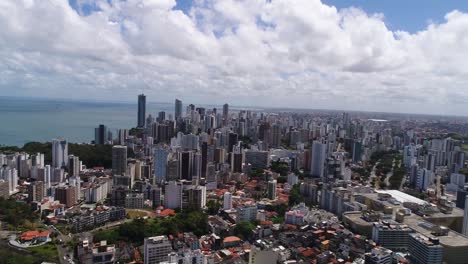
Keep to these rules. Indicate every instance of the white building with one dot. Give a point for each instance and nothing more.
(59, 153)
(156, 249)
(246, 213)
(227, 201)
(173, 195)
(293, 179)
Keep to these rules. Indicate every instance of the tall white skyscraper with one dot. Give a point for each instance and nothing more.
(318, 157)
(59, 153)
(13, 179)
(173, 195)
(227, 201)
(160, 163)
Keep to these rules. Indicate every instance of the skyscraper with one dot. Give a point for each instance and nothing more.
(59, 153)
(160, 163)
(318, 158)
(119, 160)
(186, 165)
(275, 136)
(141, 110)
(100, 135)
(173, 195)
(161, 117)
(272, 189)
(233, 139)
(36, 191)
(225, 111)
(122, 136)
(178, 109)
(73, 165)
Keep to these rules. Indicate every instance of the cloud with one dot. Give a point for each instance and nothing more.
(290, 53)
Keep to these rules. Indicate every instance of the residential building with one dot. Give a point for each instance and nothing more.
(156, 249)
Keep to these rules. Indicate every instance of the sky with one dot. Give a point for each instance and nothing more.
(395, 56)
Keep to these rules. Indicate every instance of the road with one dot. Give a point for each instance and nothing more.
(389, 175)
(373, 176)
(62, 248)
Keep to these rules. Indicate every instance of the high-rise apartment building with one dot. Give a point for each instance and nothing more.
(36, 191)
(186, 165)
(66, 195)
(178, 109)
(156, 249)
(141, 110)
(101, 135)
(225, 113)
(318, 157)
(59, 153)
(74, 166)
(160, 163)
(173, 195)
(119, 160)
(391, 235)
(272, 189)
(424, 250)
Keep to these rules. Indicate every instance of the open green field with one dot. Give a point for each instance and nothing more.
(47, 252)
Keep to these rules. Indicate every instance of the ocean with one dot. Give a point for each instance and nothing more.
(23, 119)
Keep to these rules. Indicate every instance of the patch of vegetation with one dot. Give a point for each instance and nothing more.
(246, 141)
(138, 229)
(91, 155)
(47, 252)
(295, 196)
(133, 214)
(244, 229)
(278, 220)
(397, 177)
(280, 209)
(256, 173)
(16, 214)
(280, 167)
(213, 207)
(8, 256)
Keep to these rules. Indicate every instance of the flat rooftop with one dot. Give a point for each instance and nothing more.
(420, 225)
(402, 197)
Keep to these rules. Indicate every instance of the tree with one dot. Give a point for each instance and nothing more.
(244, 229)
(213, 207)
(280, 167)
(295, 196)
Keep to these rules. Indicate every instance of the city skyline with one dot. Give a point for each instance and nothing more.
(351, 58)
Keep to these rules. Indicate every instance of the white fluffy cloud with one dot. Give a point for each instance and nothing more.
(290, 53)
